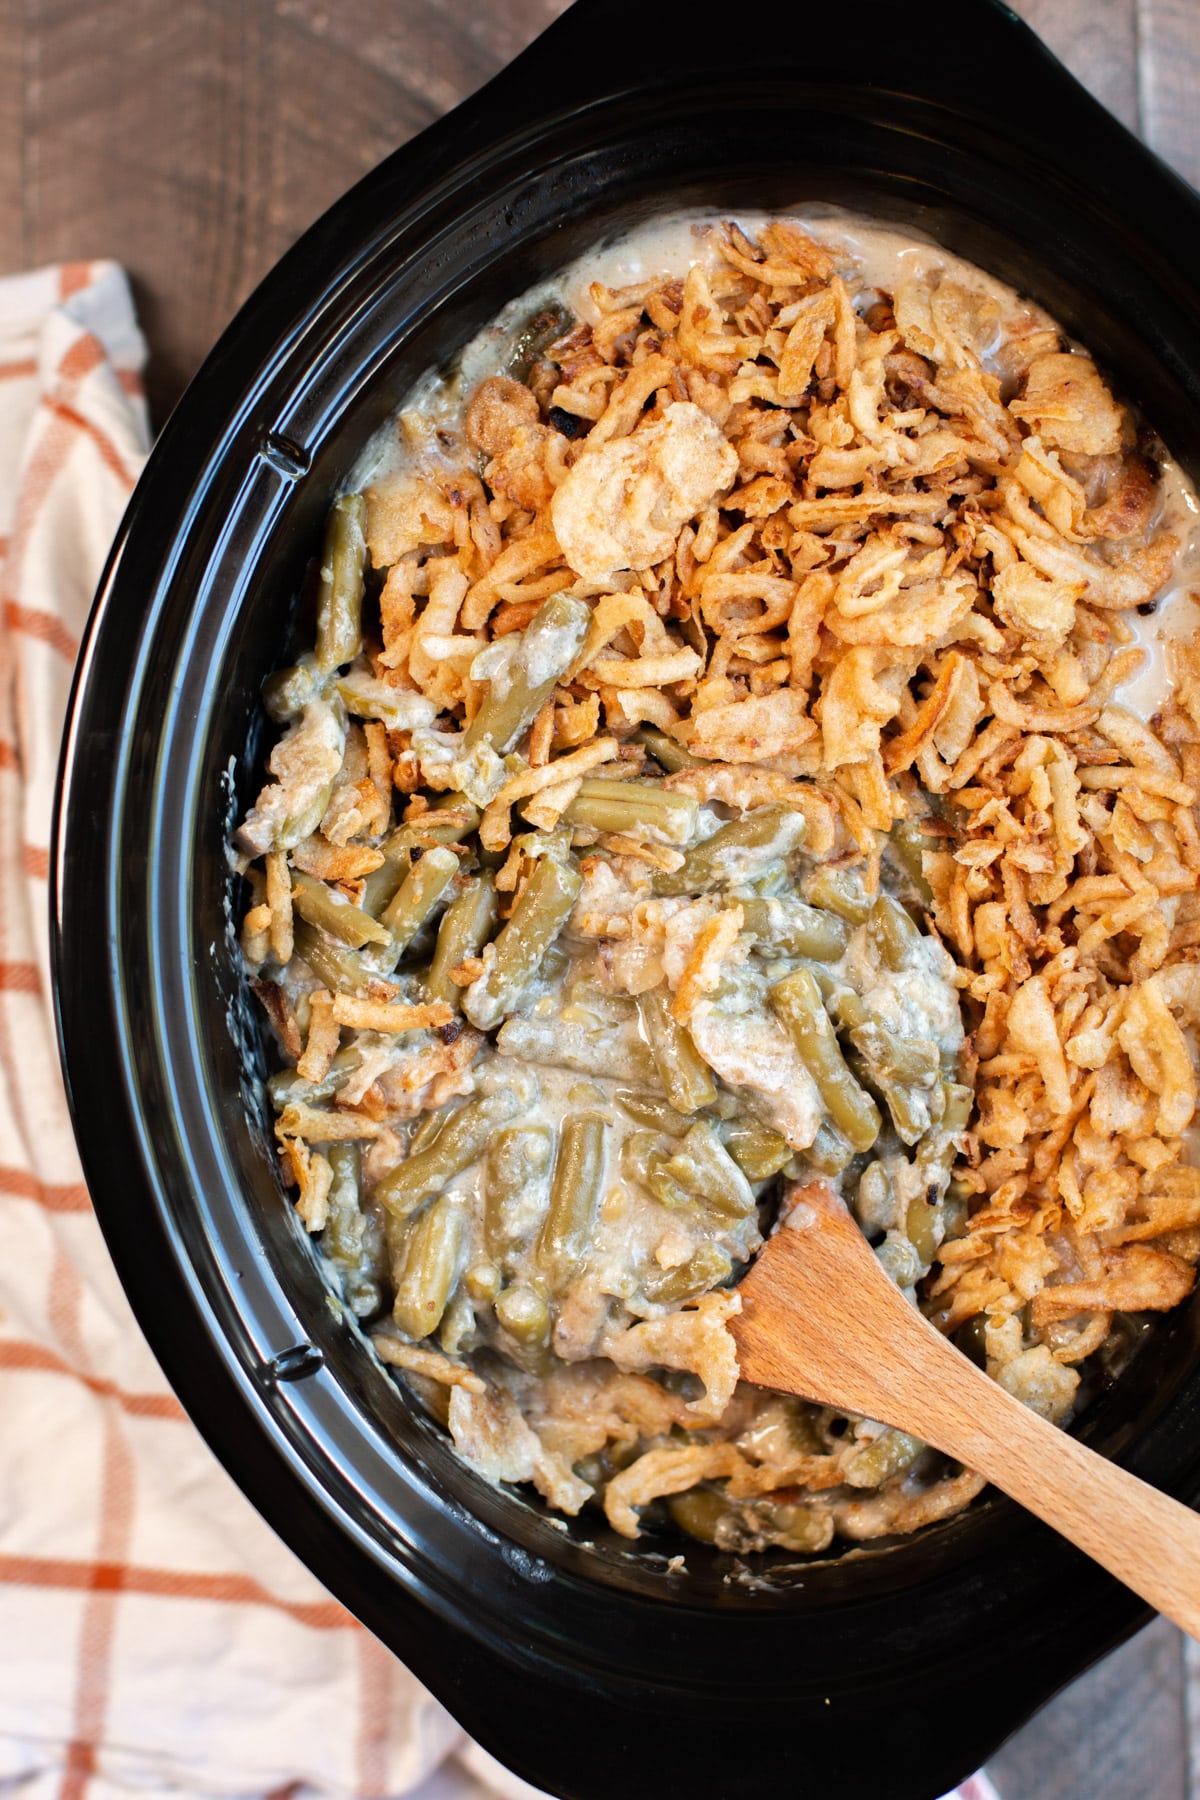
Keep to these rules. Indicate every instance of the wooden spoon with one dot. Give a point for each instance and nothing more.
(821, 1318)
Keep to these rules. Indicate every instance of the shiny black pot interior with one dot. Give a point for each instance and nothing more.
(584, 1662)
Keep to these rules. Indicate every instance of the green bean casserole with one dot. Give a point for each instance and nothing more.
(751, 736)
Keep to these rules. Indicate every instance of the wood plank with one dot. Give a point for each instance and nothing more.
(1169, 80)
(1098, 41)
(195, 143)
(1118, 1733)
(13, 45)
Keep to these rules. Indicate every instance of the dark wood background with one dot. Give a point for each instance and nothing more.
(193, 140)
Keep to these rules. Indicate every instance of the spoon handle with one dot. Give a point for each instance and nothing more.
(819, 1317)
(1142, 1536)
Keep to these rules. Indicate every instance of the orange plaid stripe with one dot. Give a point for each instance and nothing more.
(173, 1584)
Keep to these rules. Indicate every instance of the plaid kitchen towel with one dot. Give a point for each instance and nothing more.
(155, 1636)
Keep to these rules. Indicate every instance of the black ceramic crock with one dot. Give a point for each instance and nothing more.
(590, 1666)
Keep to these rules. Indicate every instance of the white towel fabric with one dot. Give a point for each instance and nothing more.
(156, 1638)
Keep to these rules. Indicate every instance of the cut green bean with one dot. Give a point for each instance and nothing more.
(340, 594)
(666, 752)
(463, 1138)
(838, 891)
(893, 933)
(576, 1190)
(527, 667)
(892, 1059)
(685, 1076)
(336, 966)
(518, 1166)
(923, 1227)
(829, 1153)
(483, 1282)
(907, 846)
(466, 926)
(442, 824)
(758, 1151)
(585, 1049)
(795, 928)
(524, 1315)
(426, 1129)
(316, 902)
(286, 693)
(436, 1249)
(735, 852)
(635, 809)
(285, 1085)
(870, 1464)
(417, 896)
(352, 1240)
(649, 1110)
(535, 922)
(796, 1000)
(707, 1268)
(703, 1167)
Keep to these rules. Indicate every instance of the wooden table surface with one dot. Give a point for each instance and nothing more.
(193, 141)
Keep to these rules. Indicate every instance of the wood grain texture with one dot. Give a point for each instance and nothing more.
(1168, 66)
(1115, 1734)
(194, 143)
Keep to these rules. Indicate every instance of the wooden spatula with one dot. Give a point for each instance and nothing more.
(822, 1319)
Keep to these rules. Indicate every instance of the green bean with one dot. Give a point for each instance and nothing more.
(570, 1044)
(535, 922)
(524, 1315)
(894, 1059)
(576, 1190)
(518, 1162)
(427, 1127)
(417, 896)
(436, 1247)
(665, 1187)
(700, 1512)
(483, 1282)
(907, 846)
(316, 903)
(838, 891)
(829, 1153)
(444, 823)
(340, 594)
(799, 930)
(463, 1137)
(340, 969)
(923, 1227)
(848, 1008)
(640, 1151)
(702, 1166)
(686, 1077)
(869, 1465)
(649, 1109)
(285, 1085)
(729, 855)
(707, 1268)
(758, 1151)
(797, 1001)
(910, 1110)
(286, 693)
(466, 926)
(636, 809)
(529, 665)
(893, 933)
(792, 1525)
(665, 751)
(535, 336)
(352, 1240)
